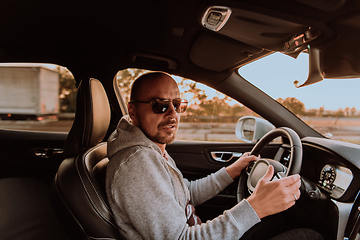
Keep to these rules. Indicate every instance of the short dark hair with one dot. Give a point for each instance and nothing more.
(136, 87)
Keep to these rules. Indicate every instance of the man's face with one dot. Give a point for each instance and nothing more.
(160, 128)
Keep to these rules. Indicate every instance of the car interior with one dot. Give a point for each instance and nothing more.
(52, 183)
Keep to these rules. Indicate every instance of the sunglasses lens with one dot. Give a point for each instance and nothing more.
(180, 105)
(161, 106)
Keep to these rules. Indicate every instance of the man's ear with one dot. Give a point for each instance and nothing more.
(131, 110)
(132, 113)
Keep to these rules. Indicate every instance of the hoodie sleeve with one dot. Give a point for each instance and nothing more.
(142, 192)
(206, 188)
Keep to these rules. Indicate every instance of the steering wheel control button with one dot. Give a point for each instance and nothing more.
(249, 167)
(279, 175)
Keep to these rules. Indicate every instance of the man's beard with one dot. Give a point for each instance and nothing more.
(159, 136)
(163, 139)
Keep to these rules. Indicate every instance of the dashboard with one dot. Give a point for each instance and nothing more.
(330, 171)
(332, 165)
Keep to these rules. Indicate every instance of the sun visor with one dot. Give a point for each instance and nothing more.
(217, 53)
(255, 29)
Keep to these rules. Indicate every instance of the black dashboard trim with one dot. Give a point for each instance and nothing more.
(349, 151)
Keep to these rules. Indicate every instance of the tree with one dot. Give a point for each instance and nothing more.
(340, 113)
(125, 78)
(187, 86)
(67, 91)
(294, 105)
(353, 111)
(321, 111)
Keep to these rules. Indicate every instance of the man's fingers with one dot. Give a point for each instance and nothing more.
(269, 174)
(298, 194)
(293, 197)
(290, 180)
(246, 154)
(292, 185)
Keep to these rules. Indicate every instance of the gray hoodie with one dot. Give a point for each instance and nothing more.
(148, 194)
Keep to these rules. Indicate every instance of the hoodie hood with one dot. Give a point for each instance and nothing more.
(127, 135)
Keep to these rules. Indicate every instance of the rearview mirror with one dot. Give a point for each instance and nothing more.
(251, 129)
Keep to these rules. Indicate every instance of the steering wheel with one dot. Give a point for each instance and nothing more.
(255, 171)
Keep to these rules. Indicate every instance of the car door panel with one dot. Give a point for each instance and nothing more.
(28, 163)
(30, 153)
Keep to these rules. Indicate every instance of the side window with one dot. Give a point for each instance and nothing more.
(210, 116)
(36, 97)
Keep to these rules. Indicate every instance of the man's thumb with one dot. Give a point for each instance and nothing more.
(269, 174)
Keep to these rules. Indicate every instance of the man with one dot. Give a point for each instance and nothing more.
(147, 192)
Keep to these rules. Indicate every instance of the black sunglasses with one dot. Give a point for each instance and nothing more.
(160, 106)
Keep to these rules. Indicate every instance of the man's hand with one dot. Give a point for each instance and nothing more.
(275, 196)
(235, 169)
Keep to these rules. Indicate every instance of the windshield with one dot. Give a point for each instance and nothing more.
(331, 106)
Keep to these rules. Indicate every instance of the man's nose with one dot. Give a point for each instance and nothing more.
(171, 111)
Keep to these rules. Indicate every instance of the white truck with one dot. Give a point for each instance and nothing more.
(28, 92)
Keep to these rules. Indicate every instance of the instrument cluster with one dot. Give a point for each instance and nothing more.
(335, 179)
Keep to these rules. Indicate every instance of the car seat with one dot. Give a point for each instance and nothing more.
(78, 194)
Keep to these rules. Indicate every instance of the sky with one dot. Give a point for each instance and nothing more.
(275, 75)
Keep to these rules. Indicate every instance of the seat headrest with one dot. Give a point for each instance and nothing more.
(92, 117)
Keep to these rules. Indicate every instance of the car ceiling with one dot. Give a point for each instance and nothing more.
(98, 38)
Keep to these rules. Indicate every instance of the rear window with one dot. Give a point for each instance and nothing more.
(36, 97)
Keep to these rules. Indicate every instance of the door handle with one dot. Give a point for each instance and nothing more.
(224, 157)
(47, 152)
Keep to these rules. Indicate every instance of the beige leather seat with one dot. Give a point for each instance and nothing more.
(78, 193)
